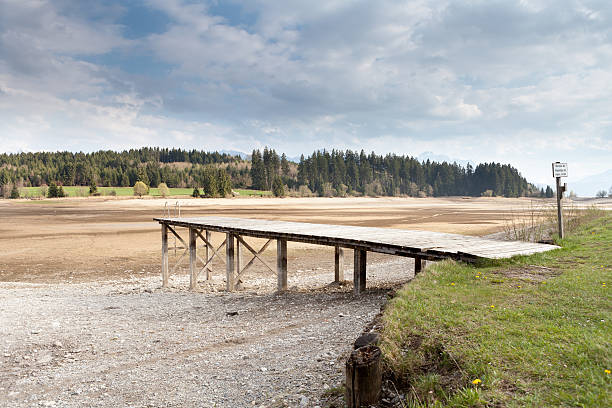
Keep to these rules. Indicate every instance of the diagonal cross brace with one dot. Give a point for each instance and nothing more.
(255, 255)
(177, 236)
(212, 248)
(215, 251)
(185, 246)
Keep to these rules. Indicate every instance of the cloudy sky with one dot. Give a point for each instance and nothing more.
(523, 82)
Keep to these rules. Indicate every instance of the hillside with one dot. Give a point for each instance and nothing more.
(323, 173)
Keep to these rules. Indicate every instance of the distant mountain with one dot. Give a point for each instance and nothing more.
(242, 155)
(589, 186)
(443, 158)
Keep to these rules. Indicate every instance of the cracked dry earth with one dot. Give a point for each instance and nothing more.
(130, 343)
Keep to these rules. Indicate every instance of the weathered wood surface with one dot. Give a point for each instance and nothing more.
(424, 244)
(363, 377)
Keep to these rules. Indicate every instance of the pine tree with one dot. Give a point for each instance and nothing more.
(52, 192)
(14, 192)
(278, 189)
(258, 171)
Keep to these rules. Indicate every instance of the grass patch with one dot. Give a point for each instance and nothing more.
(253, 193)
(82, 191)
(529, 331)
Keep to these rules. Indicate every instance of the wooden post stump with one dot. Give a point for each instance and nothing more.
(363, 377)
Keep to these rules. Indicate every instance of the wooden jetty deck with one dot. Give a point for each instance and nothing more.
(420, 245)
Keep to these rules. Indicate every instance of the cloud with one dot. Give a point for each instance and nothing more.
(503, 80)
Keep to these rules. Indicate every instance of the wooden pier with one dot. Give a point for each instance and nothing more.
(420, 245)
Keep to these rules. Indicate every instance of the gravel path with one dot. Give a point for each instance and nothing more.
(130, 343)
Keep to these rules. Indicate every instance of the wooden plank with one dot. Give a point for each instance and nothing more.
(359, 271)
(281, 264)
(339, 264)
(229, 262)
(193, 271)
(428, 245)
(164, 250)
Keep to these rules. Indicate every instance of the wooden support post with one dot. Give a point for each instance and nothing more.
(339, 264)
(237, 281)
(230, 262)
(164, 232)
(359, 271)
(193, 270)
(208, 268)
(419, 264)
(281, 264)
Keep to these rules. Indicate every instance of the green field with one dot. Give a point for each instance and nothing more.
(532, 331)
(82, 191)
(253, 193)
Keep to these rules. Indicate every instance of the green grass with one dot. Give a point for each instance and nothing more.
(253, 193)
(82, 191)
(535, 330)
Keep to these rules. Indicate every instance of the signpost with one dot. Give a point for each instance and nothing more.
(560, 170)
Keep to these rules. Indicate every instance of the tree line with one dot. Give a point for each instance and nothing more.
(340, 173)
(152, 166)
(323, 173)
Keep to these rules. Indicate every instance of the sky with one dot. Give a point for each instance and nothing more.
(520, 82)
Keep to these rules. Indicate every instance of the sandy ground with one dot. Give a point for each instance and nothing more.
(84, 322)
(77, 240)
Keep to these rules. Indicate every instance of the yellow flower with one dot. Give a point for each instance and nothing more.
(478, 276)
(519, 286)
(478, 381)
(607, 371)
(452, 283)
(492, 306)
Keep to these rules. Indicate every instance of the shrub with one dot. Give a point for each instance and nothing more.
(93, 188)
(15, 192)
(328, 190)
(304, 191)
(342, 190)
(278, 188)
(52, 191)
(60, 192)
(164, 191)
(196, 192)
(140, 189)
